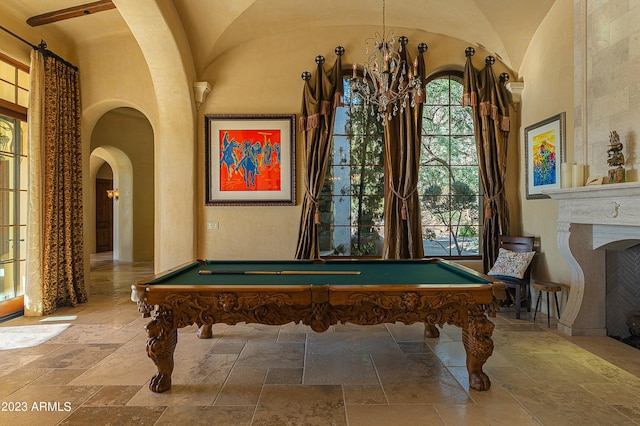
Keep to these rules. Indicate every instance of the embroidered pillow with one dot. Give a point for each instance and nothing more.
(511, 264)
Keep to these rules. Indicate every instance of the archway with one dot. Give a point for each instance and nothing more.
(123, 204)
(123, 138)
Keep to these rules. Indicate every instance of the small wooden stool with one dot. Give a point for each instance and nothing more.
(548, 287)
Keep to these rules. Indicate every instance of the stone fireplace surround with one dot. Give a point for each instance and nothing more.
(591, 220)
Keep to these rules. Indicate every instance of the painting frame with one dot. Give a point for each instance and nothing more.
(231, 182)
(544, 150)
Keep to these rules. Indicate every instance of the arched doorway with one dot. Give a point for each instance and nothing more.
(122, 158)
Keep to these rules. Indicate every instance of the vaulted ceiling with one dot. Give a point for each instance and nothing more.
(503, 27)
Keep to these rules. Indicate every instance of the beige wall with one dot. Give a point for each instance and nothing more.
(160, 36)
(113, 75)
(264, 78)
(547, 72)
(607, 52)
(593, 77)
(149, 69)
(155, 76)
(20, 51)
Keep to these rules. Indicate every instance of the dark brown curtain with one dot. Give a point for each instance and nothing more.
(488, 101)
(402, 135)
(322, 94)
(63, 253)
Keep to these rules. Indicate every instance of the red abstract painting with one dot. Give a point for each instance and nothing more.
(250, 160)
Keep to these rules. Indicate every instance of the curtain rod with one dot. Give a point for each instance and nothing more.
(42, 47)
(16, 36)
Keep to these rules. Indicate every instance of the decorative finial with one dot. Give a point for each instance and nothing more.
(339, 50)
(306, 76)
(319, 59)
(403, 40)
(504, 77)
(489, 60)
(469, 51)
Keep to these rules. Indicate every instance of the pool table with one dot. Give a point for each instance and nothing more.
(319, 294)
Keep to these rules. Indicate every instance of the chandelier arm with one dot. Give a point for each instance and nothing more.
(388, 82)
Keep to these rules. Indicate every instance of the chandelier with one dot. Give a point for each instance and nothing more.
(387, 82)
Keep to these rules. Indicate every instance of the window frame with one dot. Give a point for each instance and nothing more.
(11, 109)
(458, 75)
(347, 74)
(15, 229)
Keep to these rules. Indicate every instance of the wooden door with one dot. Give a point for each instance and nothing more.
(104, 216)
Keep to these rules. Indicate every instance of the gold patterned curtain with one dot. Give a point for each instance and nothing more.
(402, 136)
(488, 101)
(57, 169)
(322, 94)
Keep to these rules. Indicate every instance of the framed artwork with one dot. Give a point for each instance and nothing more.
(543, 155)
(250, 159)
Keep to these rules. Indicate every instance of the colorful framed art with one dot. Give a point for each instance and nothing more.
(543, 155)
(250, 159)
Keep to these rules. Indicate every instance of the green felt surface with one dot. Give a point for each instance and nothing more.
(372, 272)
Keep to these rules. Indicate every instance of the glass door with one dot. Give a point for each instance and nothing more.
(13, 214)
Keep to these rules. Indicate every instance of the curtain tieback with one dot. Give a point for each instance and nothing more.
(314, 201)
(490, 200)
(404, 206)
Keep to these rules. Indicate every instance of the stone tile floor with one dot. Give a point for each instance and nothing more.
(88, 366)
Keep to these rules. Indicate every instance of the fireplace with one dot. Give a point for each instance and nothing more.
(593, 220)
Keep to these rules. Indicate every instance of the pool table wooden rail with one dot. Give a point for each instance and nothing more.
(318, 306)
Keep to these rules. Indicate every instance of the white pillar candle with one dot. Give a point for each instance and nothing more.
(566, 173)
(578, 175)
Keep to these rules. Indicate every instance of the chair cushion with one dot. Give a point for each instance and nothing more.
(511, 263)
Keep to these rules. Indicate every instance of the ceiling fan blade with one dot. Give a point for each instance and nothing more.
(71, 12)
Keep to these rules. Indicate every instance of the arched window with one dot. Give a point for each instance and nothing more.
(449, 183)
(352, 199)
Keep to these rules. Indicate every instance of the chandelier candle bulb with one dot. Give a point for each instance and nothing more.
(354, 71)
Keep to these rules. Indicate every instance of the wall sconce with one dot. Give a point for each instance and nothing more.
(113, 193)
(200, 91)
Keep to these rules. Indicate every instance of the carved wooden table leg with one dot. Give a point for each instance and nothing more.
(478, 346)
(160, 348)
(205, 331)
(430, 330)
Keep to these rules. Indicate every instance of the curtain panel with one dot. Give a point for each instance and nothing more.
(56, 250)
(321, 95)
(35, 123)
(402, 139)
(488, 101)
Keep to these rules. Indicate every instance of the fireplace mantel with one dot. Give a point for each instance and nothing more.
(591, 219)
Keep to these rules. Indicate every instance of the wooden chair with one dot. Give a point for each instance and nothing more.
(521, 286)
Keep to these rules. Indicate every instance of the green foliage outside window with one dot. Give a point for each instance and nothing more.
(448, 178)
(351, 202)
(353, 195)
